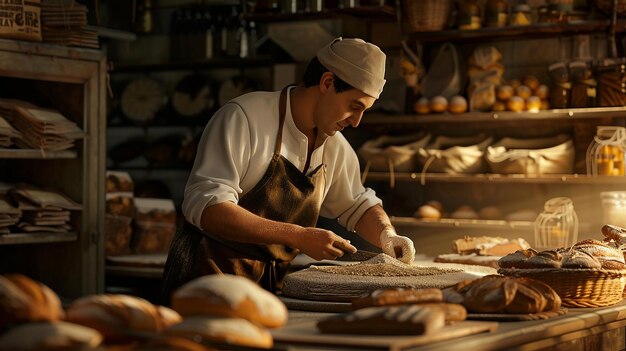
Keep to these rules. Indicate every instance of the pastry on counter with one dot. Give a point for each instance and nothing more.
(482, 251)
(389, 320)
(50, 336)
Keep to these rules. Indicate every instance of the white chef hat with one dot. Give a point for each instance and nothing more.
(356, 62)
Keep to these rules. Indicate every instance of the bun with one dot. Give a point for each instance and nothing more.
(395, 320)
(438, 104)
(499, 106)
(490, 212)
(542, 92)
(504, 92)
(422, 106)
(234, 331)
(25, 300)
(229, 296)
(532, 82)
(464, 212)
(115, 315)
(428, 212)
(46, 336)
(514, 83)
(457, 105)
(516, 104)
(397, 296)
(523, 92)
(435, 204)
(533, 103)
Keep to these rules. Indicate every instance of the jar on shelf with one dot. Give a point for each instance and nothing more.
(557, 225)
(614, 207)
(521, 15)
(496, 13)
(468, 15)
(605, 154)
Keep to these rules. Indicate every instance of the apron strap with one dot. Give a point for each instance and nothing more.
(282, 109)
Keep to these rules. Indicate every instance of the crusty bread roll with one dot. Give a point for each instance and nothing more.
(457, 105)
(454, 312)
(397, 296)
(498, 106)
(504, 92)
(229, 296)
(436, 204)
(234, 331)
(48, 336)
(516, 104)
(25, 300)
(533, 103)
(464, 212)
(546, 259)
(532, 82)
(518, 259)
(490, 212)
(542, 91)
(386, 320)
(118, 316)
(422, 106)
(579, 259)
(609, 257)
(428, 212)
(438, 104)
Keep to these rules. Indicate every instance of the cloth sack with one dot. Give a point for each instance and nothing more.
(444, 77)
(392, 154)
(454, 155)
(550, 155)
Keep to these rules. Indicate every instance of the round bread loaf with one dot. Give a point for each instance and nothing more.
(428, 212)
(609, 257)
(48, 336)
(545, 259)
(457, 105)
(422, 106)
(579, 259)
(504, 92)
(490, 212)
(117, 316)
(229, 296)
(464, 212)
(234, 331)
(438, 104)
(515, 103)
(25, 300)
(518, 259)
(553, 300)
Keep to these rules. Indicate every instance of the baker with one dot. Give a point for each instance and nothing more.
(270, 163)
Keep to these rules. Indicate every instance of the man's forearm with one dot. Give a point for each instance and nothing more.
(233, 222)
(372, 223)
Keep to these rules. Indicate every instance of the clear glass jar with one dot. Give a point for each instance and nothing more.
(557, 225)
(614, 207)
(605, 154)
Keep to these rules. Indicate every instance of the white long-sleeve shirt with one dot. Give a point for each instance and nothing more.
(236, 148)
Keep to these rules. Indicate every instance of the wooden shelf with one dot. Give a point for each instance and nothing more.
(37, 154)
(500, 178)
(548, 115)
(372, 13)
(225, 62)
(461, 223)
(36, 238)
(540, 30)
(142, 272)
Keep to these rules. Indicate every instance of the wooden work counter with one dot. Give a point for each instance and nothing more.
(580, 329)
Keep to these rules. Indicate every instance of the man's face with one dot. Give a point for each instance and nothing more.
(336, 111)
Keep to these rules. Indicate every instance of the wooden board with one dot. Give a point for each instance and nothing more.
(307, 333)
(503, 317)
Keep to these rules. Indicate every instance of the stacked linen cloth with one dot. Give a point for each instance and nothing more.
(64, 22)
(9, 215)
(44, 129)
(7, 133)
(43, 210)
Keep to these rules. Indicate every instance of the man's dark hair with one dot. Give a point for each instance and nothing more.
(313, 74)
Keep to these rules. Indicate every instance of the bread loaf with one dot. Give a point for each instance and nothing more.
(229, 296)
(170, 344)
(518, 259)
(545, 259)
(49, 336)
(579, 259)
(25, 300)
(397, 296)
(609, 257)
(234, 331)
(116, 317)
(389, 320)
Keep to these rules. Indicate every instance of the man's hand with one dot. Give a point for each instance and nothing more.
(396, 246)
(321, 244)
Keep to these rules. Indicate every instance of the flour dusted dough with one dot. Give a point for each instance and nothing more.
(345, 283)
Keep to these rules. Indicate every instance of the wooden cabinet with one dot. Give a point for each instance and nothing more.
(72, 81)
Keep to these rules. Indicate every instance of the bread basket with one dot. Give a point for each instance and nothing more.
(578, 287)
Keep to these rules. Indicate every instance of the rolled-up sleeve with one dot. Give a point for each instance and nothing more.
(221, 162)
(347, 199)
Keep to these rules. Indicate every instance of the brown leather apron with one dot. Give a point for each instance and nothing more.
(283, 194)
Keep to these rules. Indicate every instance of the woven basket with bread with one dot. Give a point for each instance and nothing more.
(589, 274)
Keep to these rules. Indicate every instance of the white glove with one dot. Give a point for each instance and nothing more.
(390, 241)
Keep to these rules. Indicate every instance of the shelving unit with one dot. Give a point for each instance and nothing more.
(372, 13)
(72, 81)
(461, 223)
(581, 179)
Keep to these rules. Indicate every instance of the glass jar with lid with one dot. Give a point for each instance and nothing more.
(557, 225)
(614, 207)
(605, 154)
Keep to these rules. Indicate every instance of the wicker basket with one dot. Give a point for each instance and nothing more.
(427, 15)
(578, 287)
(606, 6)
